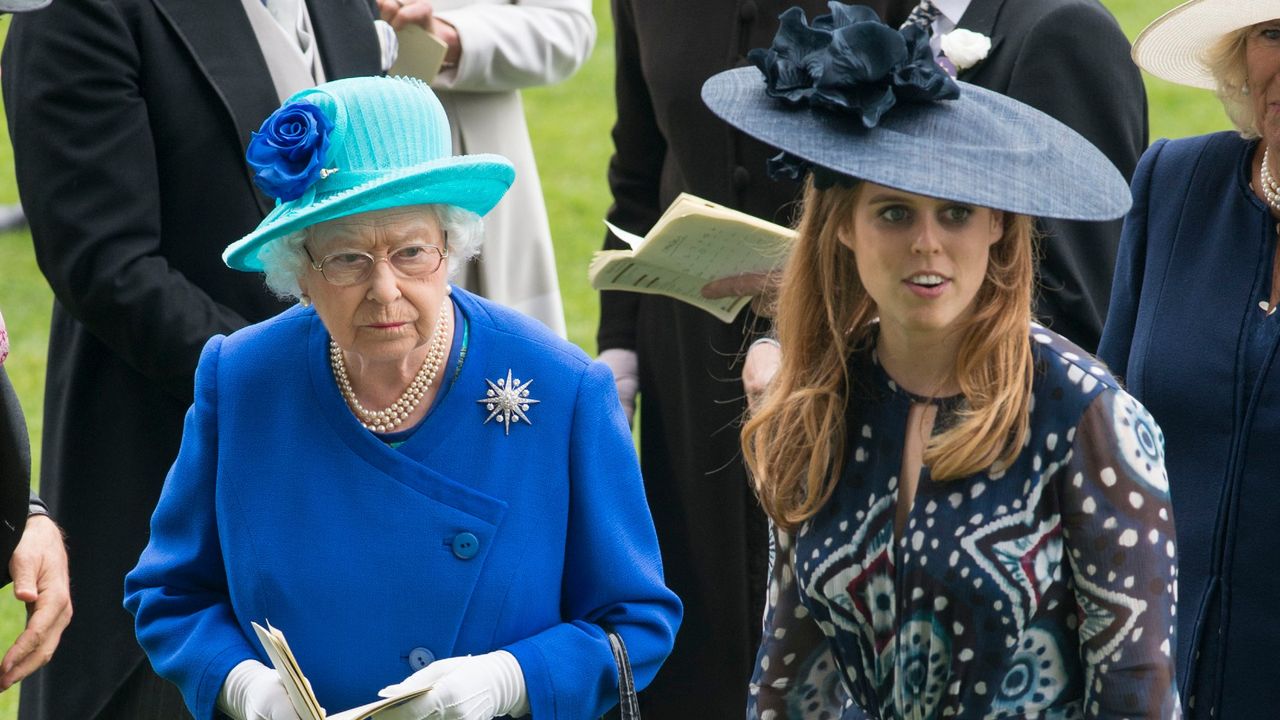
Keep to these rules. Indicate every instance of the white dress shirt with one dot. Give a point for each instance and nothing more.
(950, 12)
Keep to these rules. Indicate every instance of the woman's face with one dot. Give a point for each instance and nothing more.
(388, 315)
(921, 260)
(1262, 63)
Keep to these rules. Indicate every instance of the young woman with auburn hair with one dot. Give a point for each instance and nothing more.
(825, 314)
(971, 517)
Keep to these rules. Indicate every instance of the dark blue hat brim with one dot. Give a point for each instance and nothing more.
(17, 6)
(471, 182)
(983, 149)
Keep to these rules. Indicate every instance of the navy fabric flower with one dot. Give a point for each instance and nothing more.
(851, 63)
(289, 150)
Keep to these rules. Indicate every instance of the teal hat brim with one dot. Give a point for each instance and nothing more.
(471, 182)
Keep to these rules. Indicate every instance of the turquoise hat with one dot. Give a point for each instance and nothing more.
(358, 145)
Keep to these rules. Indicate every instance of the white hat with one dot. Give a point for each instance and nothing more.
(1173, 47)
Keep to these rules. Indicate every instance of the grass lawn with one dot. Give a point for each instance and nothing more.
(570, 126)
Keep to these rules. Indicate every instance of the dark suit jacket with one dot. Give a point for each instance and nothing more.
(713, 536)
(129, 120)
(15, 473)
(1070, 59)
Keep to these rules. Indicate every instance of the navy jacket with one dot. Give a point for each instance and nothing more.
(1194, 261)
(467, 538)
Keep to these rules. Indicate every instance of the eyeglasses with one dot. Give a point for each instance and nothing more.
(352, 267)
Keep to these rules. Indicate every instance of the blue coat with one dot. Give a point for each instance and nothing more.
(1182, 330)
(464, 540)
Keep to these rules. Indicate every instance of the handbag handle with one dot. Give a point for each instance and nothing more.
(628, 704)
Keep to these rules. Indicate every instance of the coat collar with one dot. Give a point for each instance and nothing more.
(224, 47)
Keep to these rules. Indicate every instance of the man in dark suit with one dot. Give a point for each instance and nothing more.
(1070, 59)
(129, 121)
(712, 532)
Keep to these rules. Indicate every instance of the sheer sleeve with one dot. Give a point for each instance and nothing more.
(1118, 530)
(795, 674)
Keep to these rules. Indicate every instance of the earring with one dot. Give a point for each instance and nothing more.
(305, 301)
(1244, 88)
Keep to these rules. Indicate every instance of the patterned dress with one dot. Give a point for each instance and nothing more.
(1043, 591)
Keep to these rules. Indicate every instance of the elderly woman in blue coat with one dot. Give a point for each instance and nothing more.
(1193, 331)
(417, 486)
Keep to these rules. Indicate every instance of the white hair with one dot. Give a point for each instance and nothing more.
(284, 260)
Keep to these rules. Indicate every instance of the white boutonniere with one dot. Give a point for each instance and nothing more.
(965, 48)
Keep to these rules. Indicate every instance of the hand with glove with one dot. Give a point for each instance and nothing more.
(626, 375)
(253, 691)
(474, 687)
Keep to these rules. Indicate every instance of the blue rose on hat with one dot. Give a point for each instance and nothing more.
(289, 150)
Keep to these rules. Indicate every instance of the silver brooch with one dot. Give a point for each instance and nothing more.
(508, 400)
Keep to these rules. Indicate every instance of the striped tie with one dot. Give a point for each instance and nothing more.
(923, 16)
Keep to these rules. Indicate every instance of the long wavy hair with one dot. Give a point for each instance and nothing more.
(794, 443)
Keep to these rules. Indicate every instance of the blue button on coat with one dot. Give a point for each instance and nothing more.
(281, 507)
(420, 657)
(465, 545)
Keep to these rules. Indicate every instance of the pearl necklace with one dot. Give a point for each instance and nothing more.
(1270, 188)
(389, 419)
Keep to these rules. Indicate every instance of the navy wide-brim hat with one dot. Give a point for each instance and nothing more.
(17, 6)
(977, 147)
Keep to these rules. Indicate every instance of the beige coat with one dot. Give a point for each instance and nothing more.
(505, 47)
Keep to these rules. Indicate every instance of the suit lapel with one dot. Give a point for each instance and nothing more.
(344, 32)
(222, 43)
(980, 17)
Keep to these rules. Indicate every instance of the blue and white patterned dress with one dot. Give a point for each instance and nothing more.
(1044, 591)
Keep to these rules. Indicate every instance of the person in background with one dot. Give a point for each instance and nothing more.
(129, 120)
(29, 539)
(454, 498)
(496, 48)
(1193, 332)
(679, 361)
(971, 516)
(30, 542)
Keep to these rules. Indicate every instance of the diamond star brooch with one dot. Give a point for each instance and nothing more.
(508, 400)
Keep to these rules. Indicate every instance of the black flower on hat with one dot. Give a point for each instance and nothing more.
(850, 63)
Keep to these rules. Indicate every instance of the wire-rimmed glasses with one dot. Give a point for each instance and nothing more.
(352, 267)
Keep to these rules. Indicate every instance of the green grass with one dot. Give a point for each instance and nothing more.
(570, 125)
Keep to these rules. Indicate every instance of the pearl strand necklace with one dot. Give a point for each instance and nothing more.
(1270, 188)
(392, 417)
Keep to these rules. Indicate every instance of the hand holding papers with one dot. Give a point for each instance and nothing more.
(692, 244)
(300, 693)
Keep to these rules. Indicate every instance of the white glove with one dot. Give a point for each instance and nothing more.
(253, 691)
(626, 376)
(473, 687)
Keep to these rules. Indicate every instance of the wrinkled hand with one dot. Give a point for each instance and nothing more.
(399, 13)
(253, 691)
(761, 287)
(474, 687)
(764, 357)
(626, 376)
(39, 571)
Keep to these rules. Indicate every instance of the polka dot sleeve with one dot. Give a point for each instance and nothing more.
(1118, 533)
(795, 675)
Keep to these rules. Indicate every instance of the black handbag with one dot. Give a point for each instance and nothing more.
(628, 704)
